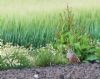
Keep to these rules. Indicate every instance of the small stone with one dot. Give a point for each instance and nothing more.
(36, 76)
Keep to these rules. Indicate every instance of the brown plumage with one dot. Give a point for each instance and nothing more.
(72, 58)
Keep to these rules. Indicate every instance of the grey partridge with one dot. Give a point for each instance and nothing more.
(72, 57)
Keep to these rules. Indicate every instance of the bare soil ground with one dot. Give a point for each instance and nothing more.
(75, 71)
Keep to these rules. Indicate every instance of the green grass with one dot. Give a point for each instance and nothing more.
(90, 20)
(35, 22)
(37, 29)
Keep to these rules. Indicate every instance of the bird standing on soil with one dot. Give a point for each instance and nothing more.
(72, 57)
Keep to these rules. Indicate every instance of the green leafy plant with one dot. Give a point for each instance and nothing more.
(97, 52)
(76, 37)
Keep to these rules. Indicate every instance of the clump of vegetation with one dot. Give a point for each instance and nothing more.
(47, 56)
(15, 57)
(19, 57)
(77, 37)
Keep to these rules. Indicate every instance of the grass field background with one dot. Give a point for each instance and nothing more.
(27, 22)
